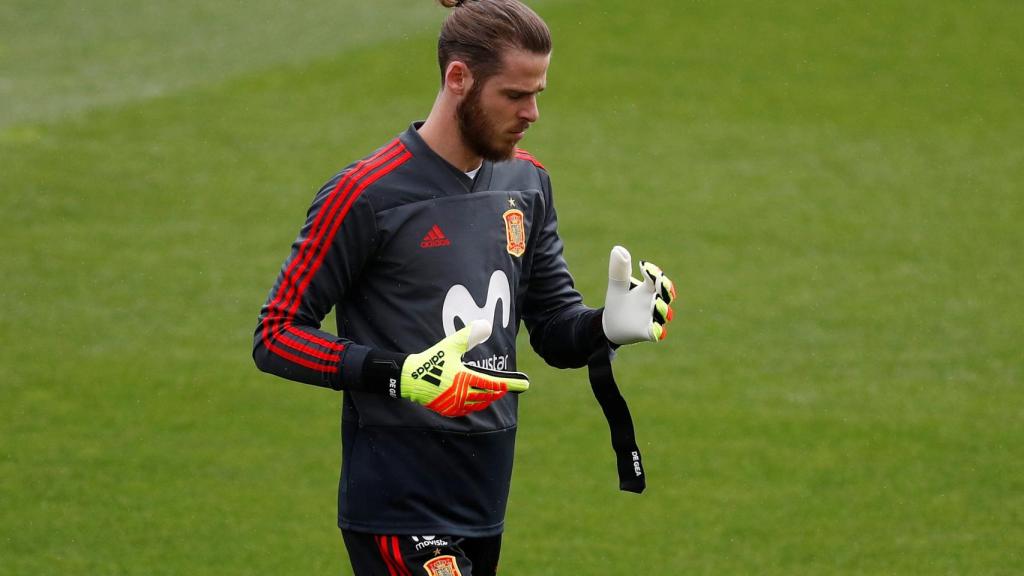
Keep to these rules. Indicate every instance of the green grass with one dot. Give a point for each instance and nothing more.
(65, 57)
(836, 189)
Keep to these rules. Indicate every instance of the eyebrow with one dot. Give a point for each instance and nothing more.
(513, 90)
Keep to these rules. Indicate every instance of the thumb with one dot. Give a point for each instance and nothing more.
(479, 332)
(620, 266)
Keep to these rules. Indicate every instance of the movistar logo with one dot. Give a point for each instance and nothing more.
(459, 303)
(431, 370)
(427, 541)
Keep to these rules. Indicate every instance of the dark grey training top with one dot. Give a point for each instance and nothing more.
(409, 249)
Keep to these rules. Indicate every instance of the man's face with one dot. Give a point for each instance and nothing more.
(496, 113)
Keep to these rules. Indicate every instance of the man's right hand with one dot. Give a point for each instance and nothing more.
(437, 378)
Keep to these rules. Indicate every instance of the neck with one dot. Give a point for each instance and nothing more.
(441, 133)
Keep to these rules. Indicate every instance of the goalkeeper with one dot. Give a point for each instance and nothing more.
(433, 251)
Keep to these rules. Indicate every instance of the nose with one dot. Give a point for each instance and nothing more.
(530, 112)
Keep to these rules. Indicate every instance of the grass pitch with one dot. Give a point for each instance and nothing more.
(835, 188)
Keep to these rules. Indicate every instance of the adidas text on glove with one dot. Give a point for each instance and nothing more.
(437, 378)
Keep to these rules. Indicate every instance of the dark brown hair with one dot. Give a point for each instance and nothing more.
(478, 32)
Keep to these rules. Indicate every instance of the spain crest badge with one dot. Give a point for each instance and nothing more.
(515, 232)
(442, 566)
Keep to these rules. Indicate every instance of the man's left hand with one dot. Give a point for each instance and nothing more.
(636, 310)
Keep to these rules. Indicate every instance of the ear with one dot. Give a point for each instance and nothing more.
(457, 78)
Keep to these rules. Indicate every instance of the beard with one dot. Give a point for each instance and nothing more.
(478, 131)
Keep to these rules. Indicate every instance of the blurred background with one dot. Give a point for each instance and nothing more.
(836, 188)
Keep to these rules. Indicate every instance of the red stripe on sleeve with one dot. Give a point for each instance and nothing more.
(293, 285)
(298, 264)
(307, 349)
(278, 315)
(334, 346)
(304, 266)
(336, 223)
(327, 368)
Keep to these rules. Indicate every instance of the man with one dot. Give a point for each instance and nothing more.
(436, 246)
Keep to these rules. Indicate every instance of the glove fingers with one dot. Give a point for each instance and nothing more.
(662, 311)
(468, 393)
(620, 264)
(443, 405)
(479, 331)
(475, 407)
(668, 289)
(664, 286)
(483, 398)
(474, 402)
(454, 408)
(498, 380)
(506, 384)
(451, 400)
(457, 342)
(651, 274)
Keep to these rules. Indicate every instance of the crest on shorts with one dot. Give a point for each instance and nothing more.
(442, 566)
(515, 232)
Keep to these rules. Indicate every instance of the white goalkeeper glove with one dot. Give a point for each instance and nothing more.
(636, 310)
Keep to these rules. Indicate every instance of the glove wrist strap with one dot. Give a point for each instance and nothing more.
(627, 454)
(382, 373)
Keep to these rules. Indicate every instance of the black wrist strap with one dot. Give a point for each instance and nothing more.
(382, 373)
(620, 423)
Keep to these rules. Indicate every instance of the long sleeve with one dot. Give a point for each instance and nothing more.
(563, 331)
(326, 258)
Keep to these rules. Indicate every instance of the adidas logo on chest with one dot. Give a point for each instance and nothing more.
(435, 238)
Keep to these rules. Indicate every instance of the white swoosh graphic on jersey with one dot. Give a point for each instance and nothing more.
(459, 303)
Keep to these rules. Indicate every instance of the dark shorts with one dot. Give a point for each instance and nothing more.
(430, 555)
